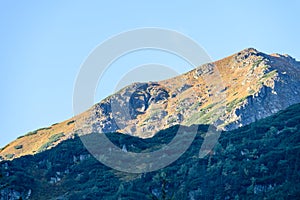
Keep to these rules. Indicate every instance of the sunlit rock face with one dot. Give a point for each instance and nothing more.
(228, 93)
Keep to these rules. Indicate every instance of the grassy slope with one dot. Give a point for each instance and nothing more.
(232, 73)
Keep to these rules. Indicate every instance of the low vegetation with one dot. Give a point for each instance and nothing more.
(70, 122)
(52, 139)
(18, 147)
(258, 161)
(270, 74)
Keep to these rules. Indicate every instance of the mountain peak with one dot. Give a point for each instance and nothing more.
(248, 53)
(254, 85)
(250, 50)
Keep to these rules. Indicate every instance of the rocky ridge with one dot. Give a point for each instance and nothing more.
(228, 93)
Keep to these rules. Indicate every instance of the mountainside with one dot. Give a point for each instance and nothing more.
(228, 93)
(258, 161)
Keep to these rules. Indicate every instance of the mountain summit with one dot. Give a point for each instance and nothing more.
(249, 85)
(229, 93)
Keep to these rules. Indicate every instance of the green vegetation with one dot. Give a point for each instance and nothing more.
(9, 156)
(18, 146)
(204, 116)
(56, 137)
(45, 146)
(210, 106)
(196, 105)
(30, 133)
(266, 77)
(258, 161)
(35, 132)
(270, 74)
(4, 147)
(45, 128)
(251, 92)
(208, 117)
(194, 117)
(52, 139)
(265, 66)
(71, 122)
(234, 103)
(256, 63)
(172, 119)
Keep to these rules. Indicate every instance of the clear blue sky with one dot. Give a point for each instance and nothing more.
(43, 44)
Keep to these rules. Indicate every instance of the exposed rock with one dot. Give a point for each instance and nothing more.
(184, 87)
(228, 93)
(204, 69)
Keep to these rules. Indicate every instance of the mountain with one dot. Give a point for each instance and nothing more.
(257, 161)
(229, 93)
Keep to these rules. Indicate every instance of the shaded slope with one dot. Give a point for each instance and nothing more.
(243, 88)
(257, 161)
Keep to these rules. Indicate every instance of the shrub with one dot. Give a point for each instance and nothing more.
(52, 139)
(21, 136)
(70, 122)
(31, 133)
(56, 137)
(45, 128)
(44, 147)
(233, 104)
(9, 156)
(270, 74)
(4, 147)
(20, 146)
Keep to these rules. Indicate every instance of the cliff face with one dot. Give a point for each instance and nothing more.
(279, 88)
(228, 93)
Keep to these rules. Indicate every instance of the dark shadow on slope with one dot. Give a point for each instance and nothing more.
(261, 160)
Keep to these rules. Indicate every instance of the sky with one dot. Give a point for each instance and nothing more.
(44, 43)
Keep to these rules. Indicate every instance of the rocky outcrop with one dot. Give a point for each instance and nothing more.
(280, 88)
(254, 85)
(127, 105)
(229, 93)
